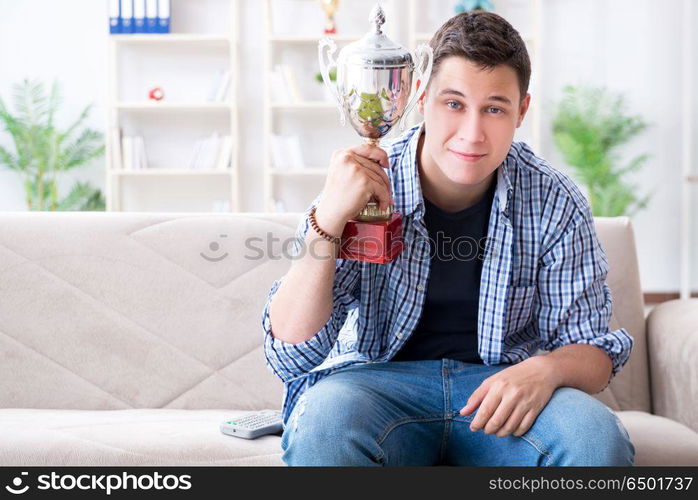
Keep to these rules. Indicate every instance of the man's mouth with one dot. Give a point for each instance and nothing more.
(471, 157)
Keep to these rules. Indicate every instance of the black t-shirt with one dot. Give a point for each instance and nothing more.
(448, 325)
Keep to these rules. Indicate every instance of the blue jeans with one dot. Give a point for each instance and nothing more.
(406, 413)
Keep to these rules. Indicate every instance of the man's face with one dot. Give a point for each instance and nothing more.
(470, 111)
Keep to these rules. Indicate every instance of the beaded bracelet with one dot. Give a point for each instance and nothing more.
(313, 223)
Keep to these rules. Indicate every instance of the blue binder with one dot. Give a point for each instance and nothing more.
(127, 16)
(114, 17)
(163, 16)
(139, 16)
(151, 16)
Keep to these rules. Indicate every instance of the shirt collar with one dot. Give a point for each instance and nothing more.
(408, 188)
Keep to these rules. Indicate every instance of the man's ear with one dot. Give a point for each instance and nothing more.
(523, 109)
(421, 100)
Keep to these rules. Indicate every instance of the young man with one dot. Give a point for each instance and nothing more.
(430, 359)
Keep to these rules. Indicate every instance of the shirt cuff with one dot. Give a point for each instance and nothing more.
(617, 344)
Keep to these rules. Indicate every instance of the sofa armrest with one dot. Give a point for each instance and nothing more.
(672, 343)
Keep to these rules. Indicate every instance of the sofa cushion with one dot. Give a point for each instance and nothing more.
(128, 437)
(114, 311)
(191, 437)
(659, 440)
(630, 389)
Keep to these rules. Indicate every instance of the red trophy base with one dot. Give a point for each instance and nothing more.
(372, 241)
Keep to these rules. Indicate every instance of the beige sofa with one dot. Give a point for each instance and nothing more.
(126, 338)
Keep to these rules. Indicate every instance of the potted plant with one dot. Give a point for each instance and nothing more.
(41, 152)
(588, 127)
(327, 93)
(466, 5)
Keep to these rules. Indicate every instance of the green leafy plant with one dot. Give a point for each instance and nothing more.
(42, 151)
(589, 126)
(332, 74)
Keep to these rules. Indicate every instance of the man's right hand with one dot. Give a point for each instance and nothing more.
(355, 176)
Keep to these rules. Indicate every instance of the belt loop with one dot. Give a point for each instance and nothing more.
(445, 364)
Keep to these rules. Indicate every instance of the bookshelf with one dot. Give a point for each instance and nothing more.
(187, 64)
(410, 22)
(313, 116)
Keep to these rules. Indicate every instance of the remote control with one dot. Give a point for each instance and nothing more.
(253, 425)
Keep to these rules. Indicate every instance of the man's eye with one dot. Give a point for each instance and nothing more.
(455, 104)
(494, 110)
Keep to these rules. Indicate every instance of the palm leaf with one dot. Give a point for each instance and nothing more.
(588, 127)
(42, 150)
(82, 196)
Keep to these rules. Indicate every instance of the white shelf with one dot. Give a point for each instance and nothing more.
(173, 106)
(172, 38)
(277, 182)
(310, 39)
(222, 117)
(304, 105)
(298, 171)
(170, 171)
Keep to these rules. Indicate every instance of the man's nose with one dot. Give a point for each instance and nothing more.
(471, 129)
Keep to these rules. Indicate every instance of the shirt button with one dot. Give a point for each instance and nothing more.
(420, 287)
(398, 335)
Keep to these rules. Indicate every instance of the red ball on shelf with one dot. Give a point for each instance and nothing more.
(156, 94)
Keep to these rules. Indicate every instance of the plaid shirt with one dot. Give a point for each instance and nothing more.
(542, 284)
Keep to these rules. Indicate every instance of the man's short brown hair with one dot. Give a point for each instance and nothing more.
(485, 39)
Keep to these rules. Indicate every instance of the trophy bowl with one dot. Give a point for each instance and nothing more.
(374, 83)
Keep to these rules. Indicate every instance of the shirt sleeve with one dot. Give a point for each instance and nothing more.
(289, 361)
(575, 301)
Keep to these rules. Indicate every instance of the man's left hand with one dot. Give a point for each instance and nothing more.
(510, 400)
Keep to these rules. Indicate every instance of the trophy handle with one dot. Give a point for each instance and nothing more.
(424, 57)
(326, 49)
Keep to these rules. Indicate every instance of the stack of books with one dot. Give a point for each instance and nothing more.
(286, 152)
(220, 90)
(284, 86)
(212, 152)
(129, 152)
(139, 16)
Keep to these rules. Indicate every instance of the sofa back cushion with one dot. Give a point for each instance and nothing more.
(630, 389)
(119, 310)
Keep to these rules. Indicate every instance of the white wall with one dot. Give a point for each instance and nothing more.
(631, 46)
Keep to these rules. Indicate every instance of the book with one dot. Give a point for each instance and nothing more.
(127, 150)
(221, 205)
(206, 152)
(286, 152)
(223, 159)
(278, 88)
(141, 159)
(126, 16)
(209, 152)
(279, 205)
(289, 76)
(114, 17)
(219, 89)
(222, 93)
(151, 16)
(195, 154)
(163, 16)
(116, 153)
(139, 16)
